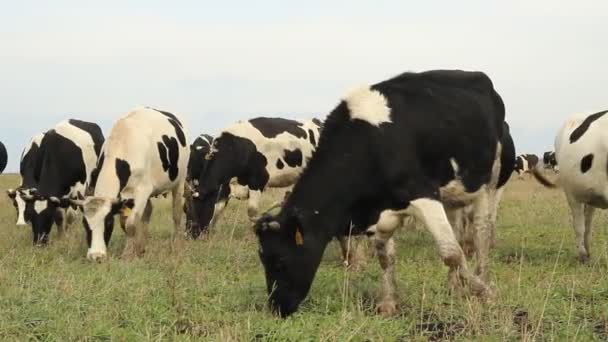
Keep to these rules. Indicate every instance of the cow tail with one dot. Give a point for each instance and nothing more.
(542, 179)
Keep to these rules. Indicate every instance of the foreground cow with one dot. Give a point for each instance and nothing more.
(549, 161)
(406, 146)
(3, 157)
(581, 151)
(62, 167)
(525, 163)
(259, 153)
(145, 155)
(27, 166)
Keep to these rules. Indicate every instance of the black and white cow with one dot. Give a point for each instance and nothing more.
(405, 146)
(258, 153)
(196, 164)
(27, 166)
(549, 161)
(64, 162)
(145, 155)
(3, 157)
(525, 163)
(581, 151)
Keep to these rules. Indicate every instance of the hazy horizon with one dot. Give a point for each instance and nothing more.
(215, 63)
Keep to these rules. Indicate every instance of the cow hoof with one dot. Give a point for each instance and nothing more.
(387, 308)
(583, 258)
(96, 256)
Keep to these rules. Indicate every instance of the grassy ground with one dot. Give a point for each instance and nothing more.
(214, 290)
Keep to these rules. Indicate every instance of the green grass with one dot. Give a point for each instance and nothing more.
(214, 289)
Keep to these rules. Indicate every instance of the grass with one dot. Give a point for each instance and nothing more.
(214, 290)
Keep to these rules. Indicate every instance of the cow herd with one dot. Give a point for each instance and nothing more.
(434, 146)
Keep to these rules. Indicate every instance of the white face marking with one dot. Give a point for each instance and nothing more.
(20, 211)
(198, 148)
(368, 105)
(95, 212)
(454, 165)
(40, 206)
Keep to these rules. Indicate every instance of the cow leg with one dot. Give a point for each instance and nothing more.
(220, 204)
(589, 210)
(142, 231)
(177, 195)
(352, 254)
(493, 207)
(578, 219)
(481, 228)
(253, 203)
(60, 221)
(386, 256)
(433, 215)
(133, 224)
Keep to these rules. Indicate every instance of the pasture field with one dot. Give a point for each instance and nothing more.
(213, 290)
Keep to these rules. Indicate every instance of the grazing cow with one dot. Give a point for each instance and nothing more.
(581, 151)
(259, 153)
(525, 163)
(406, 146)
(27, 165)
(145, 155)
(196, 164)
(63, 165)
(549, 161)
(3, 157)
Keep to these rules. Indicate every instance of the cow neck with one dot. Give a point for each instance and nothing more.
(108, 185)
(324, 196)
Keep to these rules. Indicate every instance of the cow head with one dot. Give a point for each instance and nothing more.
(98, 221)
(38, 210)
(290, 256)
(519, 165)
(228, 157)
(23, 215)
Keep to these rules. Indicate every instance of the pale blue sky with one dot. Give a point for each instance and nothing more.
(216, 62)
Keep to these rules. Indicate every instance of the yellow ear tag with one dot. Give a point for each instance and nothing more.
(125, 211)
(299, 237)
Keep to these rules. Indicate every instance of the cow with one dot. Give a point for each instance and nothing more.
(549, 161)
(525, 163)
(259, 153)
(62, 168)
(406, 146)
(27, 164)
(196, 164)
(581, 151)
(144, 156)
(3, 157)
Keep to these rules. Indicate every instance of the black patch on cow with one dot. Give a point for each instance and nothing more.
(311, 136)
(169, 155)
(586, 163)
(582, 128)
(95, 175)
(280, 164)
(3, 157)
(506, 157)
(178, 132)
(123, 171)
(169, 115)
(94, 131)
(293, 158)
(317, 122)
(174, 121)
(271, 127)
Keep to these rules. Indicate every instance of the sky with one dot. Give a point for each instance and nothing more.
(215, 62)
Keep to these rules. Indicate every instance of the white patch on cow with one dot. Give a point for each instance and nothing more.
(40, 206)
(368, 105)
(36, 139)
(95, 212)
(238, 191)
(454, 165)
(84, 141)
(20, 211)
(198, 148)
